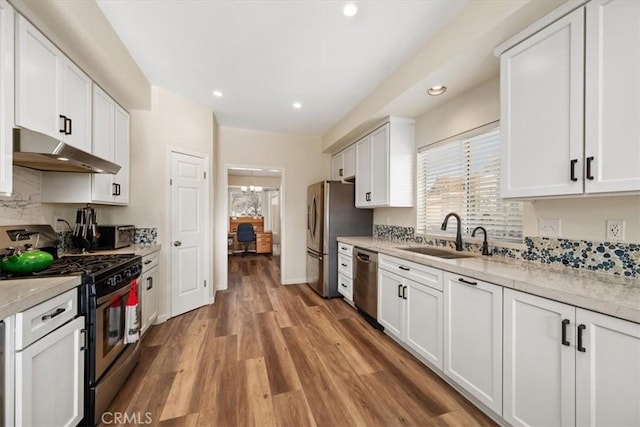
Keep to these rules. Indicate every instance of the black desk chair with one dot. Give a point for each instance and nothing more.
(245, 235)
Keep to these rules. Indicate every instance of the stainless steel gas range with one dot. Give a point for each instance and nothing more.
(106, 283)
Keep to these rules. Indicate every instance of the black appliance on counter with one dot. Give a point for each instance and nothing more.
(105, 285)
(115, 236)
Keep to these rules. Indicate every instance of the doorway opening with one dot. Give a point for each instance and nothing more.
(254, 197)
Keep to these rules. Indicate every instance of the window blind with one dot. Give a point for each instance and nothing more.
(463, 176)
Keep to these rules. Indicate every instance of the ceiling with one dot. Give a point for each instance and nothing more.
(265, 55)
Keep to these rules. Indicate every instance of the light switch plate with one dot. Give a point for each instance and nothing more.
(549, 227)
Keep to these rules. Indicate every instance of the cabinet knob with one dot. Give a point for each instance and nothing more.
(177, 243)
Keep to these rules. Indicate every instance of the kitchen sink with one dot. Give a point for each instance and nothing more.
(439, 253)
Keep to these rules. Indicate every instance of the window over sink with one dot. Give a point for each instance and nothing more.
(462, 175)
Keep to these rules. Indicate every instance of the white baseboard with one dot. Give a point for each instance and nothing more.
(161, 318)
(295, 281)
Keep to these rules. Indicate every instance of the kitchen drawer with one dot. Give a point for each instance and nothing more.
(345, 286)
(263, 247)
(345, 249)
(345, 265)
(150, 261)
(417, 272)
(36, 322)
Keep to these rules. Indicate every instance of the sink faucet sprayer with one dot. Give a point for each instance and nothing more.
(458, 230)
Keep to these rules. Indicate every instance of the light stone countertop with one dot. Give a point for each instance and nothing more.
(605, 293)
(17, 295)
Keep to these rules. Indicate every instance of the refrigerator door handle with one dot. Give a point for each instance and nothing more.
(314, 255)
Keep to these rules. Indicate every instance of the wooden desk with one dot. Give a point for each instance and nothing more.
(262, 245)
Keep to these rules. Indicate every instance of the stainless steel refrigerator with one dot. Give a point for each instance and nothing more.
(331, 212)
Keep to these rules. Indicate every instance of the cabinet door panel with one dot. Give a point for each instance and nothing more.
(542, 111)
(379, 173)
(336, 167)
(539, 372)
(390, 304)
(50, 379)
(424, 321)
(76, 105)
(473, 338)
(38, 66)
(349, 162)
(363, 172)
(103, 137)
(612, 100)
(7, 109)
(608, 371)
(121, 156)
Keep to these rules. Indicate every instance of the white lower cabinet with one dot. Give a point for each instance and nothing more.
(539, 371)
(568, 366)
(49, 378)
(473, 337)
(148, 291)
(607, 371)
(345, 271)
(410, 306)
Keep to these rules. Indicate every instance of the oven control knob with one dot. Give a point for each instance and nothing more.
(126, 273)
(111, 281)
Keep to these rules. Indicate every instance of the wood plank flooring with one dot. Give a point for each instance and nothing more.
(272, 355)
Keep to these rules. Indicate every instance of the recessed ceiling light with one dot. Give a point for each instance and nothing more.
(350, 10)
(297, 105)
(217, 94)
(99, 170)
(64, 159)
(436, 90)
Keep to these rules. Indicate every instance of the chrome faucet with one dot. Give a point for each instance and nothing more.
(458, 231)
(485, 245)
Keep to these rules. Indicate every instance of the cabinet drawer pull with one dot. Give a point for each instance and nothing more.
(404, 292)
(343, 285)
(148, 262)
(467, 282)
(399, 291)
(565, 341)
(67, 131)
(150, 280)
(581, 328)
(589, 160)
(51, 316)
(85, 337)
(573, 169)
(402, 267)
(343, 264)
(63, 124)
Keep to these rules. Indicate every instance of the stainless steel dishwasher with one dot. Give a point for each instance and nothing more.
(365, 285)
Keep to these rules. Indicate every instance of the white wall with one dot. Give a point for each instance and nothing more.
(303, 163)
(173, 121)
(581, 218)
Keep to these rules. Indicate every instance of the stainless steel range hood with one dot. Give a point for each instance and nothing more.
(36, 150)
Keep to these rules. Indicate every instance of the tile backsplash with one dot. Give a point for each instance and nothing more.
(23, 206)
(617, 258)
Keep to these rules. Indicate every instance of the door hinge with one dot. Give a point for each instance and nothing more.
(205, 175)
(171, 182)
(205, 283)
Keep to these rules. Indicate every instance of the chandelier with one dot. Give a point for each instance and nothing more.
(252, 188)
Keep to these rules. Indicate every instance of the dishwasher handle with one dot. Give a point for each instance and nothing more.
(363, 257)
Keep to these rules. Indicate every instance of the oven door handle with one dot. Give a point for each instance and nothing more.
(110, 296)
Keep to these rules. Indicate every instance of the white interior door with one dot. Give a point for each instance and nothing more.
(188, 232)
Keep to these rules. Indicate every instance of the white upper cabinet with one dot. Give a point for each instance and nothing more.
(541, 89)
(612, 98)
(384, 166)
(53, 96)
(570, 102)
(110, 141)
(6, 97)
(343, 164)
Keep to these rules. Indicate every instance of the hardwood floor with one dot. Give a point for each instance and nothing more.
(272, 355)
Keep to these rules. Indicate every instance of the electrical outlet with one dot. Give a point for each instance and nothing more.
(549, 227)
(615, 229)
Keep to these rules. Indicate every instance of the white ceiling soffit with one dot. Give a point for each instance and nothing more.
(265, 55)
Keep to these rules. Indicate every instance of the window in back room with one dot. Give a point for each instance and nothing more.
(462, 175)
